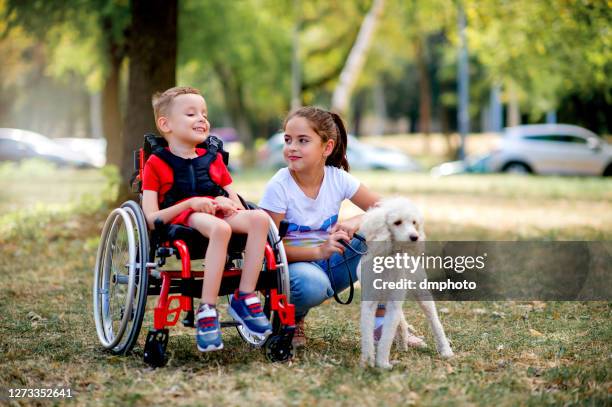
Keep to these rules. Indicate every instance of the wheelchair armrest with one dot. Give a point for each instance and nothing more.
(159, 225)
(247, 204)
(282, 228)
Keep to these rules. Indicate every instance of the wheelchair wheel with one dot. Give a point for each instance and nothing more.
(120, 278)
(283, 287)
(142, 278)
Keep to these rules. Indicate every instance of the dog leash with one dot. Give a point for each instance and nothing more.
(351, 283)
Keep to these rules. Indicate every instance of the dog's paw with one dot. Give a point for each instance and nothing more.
(387, 365)
(415, 342)
(447, 353)
(367, 360)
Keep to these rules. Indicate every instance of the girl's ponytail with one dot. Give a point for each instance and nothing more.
(338, 157)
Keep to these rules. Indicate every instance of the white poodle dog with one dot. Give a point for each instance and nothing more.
(395, 220)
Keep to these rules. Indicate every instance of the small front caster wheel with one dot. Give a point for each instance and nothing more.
(278, 348)
(155, 348)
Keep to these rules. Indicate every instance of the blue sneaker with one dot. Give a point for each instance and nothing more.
(208, 330)
(247, 310)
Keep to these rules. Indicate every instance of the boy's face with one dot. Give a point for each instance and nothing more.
(187, 120)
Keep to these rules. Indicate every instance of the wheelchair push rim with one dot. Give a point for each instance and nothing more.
(130, 336)
(112, 301)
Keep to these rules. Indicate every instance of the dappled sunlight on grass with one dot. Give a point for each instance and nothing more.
(507, 353)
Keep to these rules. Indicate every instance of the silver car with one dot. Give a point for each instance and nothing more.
(551, 149)
(361, 156)
(17, 145)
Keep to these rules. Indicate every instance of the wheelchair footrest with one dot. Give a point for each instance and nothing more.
(285, 310)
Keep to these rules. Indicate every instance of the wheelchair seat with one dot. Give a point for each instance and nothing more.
(193, 239)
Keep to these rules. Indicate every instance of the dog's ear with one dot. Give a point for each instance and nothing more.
(374, 225)
(422, 234)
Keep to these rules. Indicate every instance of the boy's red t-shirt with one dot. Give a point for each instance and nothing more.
(159, 177)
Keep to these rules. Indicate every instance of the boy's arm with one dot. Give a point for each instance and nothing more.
(233, 196)
(152, 211)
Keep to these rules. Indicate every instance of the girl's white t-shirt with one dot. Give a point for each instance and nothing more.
(309, 219)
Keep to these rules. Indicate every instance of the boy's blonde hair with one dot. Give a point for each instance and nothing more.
(162, 102)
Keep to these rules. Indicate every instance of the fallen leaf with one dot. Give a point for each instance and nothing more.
(533, 332)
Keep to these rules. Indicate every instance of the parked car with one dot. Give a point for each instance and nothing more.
(471, 165)
(552, 149)
(17, 145)
(361, 156)
(92, 149)
(231, 144)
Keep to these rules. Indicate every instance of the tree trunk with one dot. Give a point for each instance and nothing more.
(296, 72)
(356, 59)
(358, 109)
(514, 112)
(234, 101)
(424, 125)
(111, 115)
(152, 45)
(451, 149)
(380, 107)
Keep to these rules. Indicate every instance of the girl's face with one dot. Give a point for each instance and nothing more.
(304, 149)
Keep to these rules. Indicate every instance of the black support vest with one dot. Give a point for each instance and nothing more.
(191, 175)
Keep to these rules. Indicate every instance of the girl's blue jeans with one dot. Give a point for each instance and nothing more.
(311, 283)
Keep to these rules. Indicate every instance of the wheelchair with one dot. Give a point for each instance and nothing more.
(133, 263)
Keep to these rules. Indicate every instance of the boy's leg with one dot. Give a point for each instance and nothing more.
(255, 224)
(245, 306)
(218, 233)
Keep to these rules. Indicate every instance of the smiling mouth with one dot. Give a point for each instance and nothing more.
(200, 129)
(293, 157)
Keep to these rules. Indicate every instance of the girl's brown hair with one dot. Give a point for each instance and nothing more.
(329, 126)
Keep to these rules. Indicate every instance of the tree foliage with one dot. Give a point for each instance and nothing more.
(546, 48)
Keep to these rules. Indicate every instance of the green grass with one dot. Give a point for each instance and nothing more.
(508, 353)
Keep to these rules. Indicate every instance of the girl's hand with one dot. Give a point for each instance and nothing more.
(332, 244)
(226, 205)
(349, 226)
(205, 205)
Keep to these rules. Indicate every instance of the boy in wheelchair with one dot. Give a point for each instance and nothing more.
(190, 186)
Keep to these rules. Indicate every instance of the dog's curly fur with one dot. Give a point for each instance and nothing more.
(395, 220)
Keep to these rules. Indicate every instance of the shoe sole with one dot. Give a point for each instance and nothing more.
(210, 348)
(237, 318)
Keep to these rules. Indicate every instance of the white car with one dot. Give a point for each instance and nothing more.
(92, 149)
(18, 144)
(361, 156)
(551, 149)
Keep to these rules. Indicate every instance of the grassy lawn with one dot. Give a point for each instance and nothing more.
(508, 353)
